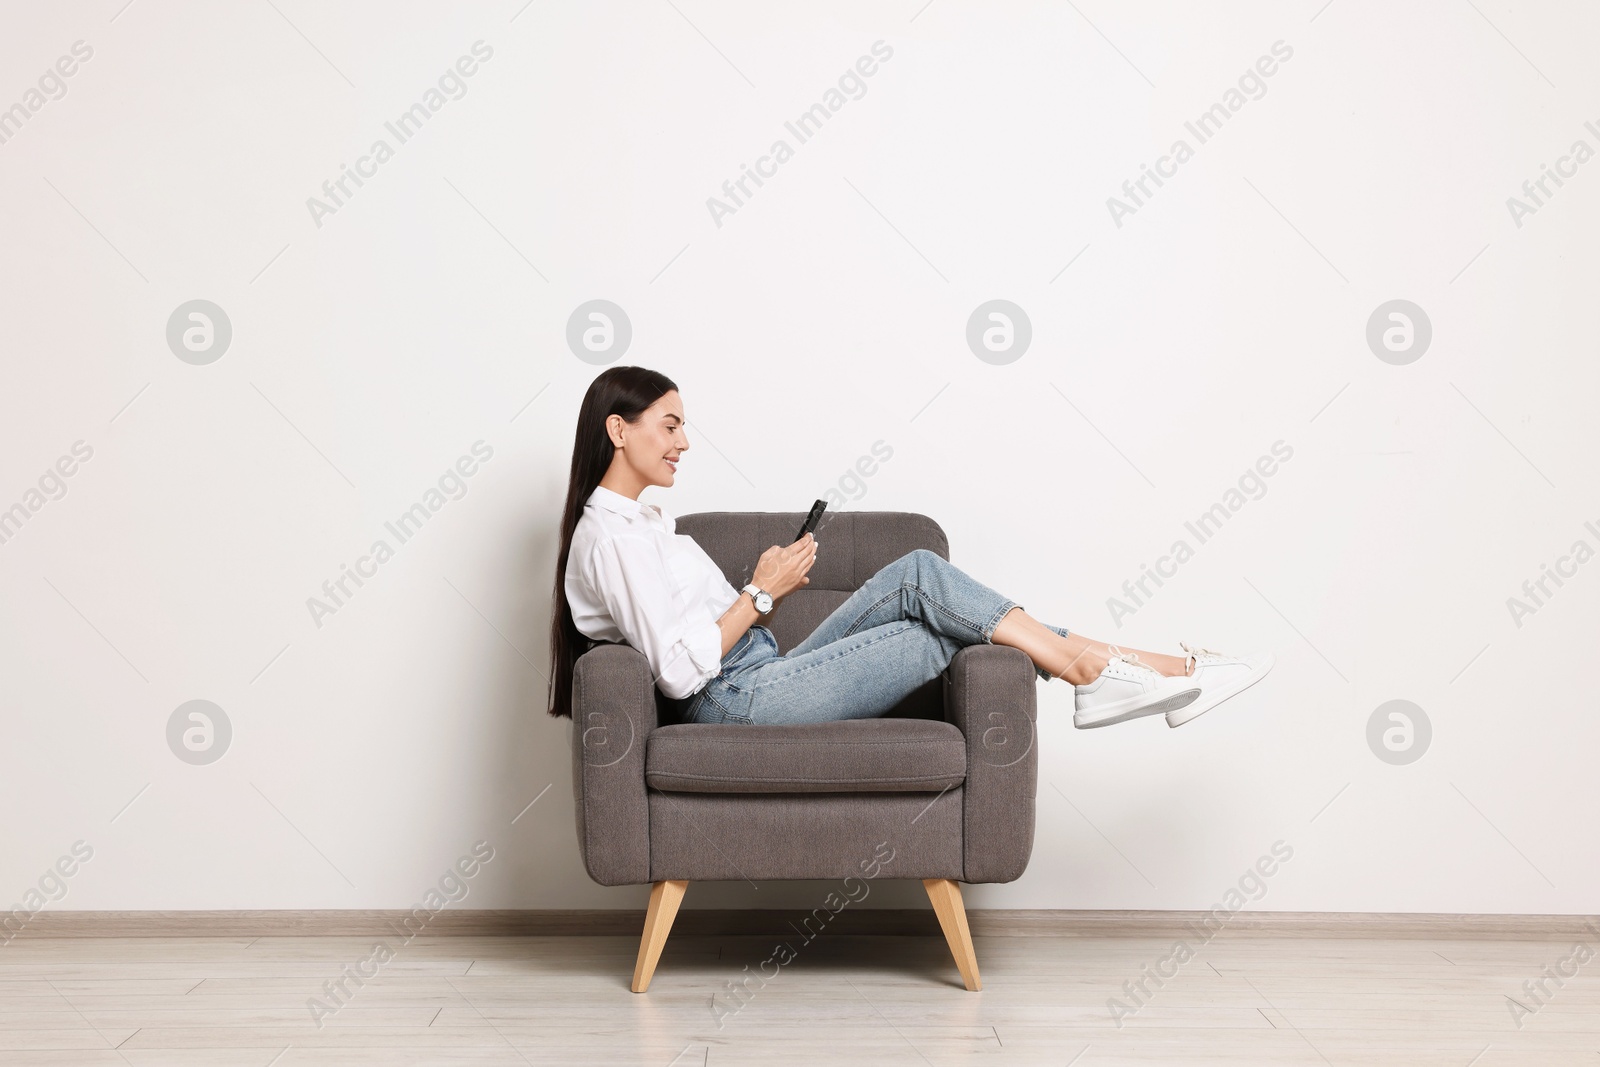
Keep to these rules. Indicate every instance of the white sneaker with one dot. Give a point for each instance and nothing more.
(1219, 677)
(1127, 689)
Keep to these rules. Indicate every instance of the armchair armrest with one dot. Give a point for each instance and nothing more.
(613, 715)
(990, 695)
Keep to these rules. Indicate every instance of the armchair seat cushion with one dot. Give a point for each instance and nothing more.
(894, 755)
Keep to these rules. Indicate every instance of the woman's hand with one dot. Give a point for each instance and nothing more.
(781, 570)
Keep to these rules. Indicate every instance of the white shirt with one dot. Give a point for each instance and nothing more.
(631, 577)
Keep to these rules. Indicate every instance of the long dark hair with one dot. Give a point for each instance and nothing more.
(625, 391)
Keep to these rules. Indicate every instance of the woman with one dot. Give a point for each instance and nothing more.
(623, 574)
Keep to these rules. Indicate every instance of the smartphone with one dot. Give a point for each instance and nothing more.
(812, 519)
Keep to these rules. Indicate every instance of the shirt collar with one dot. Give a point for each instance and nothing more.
(615, 501)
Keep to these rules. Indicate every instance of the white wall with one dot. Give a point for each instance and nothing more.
(829, 312)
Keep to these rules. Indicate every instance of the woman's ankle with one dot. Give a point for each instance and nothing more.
(1170, 666)
(1085, 667)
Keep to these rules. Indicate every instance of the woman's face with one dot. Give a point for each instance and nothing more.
(650, 446)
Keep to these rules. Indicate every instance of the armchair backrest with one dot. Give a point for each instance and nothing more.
(853, 546)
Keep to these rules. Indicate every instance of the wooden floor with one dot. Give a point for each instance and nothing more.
(841, 1000)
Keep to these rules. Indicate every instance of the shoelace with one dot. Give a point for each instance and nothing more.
(1193, 658)
(1128, 657)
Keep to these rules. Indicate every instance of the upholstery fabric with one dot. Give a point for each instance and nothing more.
(863, 756)
(613, 715)
(992, 699)
(733, 837)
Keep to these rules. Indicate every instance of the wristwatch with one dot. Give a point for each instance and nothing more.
(762, 598)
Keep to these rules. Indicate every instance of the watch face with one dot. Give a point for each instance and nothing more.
(763, 603)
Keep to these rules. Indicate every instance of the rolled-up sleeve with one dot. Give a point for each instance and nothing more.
(636, 586)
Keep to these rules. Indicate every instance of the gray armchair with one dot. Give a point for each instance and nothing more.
(943, 786)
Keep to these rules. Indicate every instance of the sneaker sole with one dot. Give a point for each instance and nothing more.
(1194, 711)
(1136, 708)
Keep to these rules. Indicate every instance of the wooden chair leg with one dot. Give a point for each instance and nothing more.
(664, 899)
(946, 897)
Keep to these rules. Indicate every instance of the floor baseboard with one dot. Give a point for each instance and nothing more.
(992, 922)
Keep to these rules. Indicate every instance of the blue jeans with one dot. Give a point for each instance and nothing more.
(896, 633)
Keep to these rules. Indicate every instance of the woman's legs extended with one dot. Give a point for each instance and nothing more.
(924, 585)
(899, 630)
